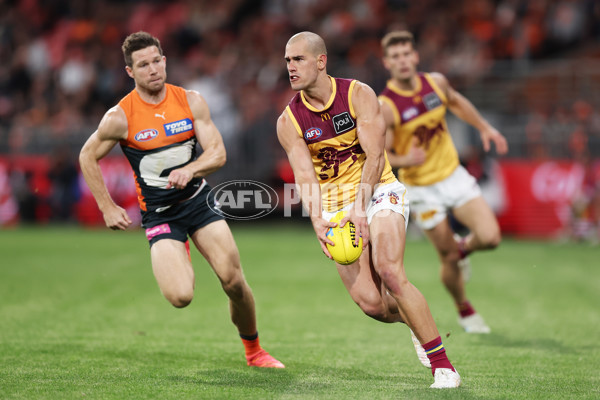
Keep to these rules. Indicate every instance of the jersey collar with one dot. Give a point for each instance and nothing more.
(406, 93)
(329, 102)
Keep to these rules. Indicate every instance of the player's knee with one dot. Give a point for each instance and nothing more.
(180, 300)
(496, 239)
(234, 286)
(371, 304)
(491, 239)
(376, 311)
(392, 278)
(449, 256)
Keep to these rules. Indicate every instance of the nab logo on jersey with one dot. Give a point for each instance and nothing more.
(342, 122)
(145, 135)
(312, 133)
(177, 127)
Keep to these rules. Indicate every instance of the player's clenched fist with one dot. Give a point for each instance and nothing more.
(116, 218)
(179, 178)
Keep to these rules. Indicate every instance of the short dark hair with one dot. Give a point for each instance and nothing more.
(396, 37)
(138, 41)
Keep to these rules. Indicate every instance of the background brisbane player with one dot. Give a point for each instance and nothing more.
(419, 144)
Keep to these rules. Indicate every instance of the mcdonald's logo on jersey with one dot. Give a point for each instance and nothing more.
(325, 117)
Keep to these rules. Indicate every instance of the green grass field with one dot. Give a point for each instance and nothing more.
(81, 317)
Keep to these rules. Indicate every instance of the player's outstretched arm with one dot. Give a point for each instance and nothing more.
(306, 180)
(465, 110)
(112, 128)
(213, 154)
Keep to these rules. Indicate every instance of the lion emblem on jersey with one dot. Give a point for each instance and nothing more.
(332, 158)
(424, 134)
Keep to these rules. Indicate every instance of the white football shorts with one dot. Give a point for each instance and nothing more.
(430, 204)
(389, 197)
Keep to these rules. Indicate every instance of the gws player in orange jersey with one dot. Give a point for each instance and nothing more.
(158, 126)
(414, 107)
(334, 133)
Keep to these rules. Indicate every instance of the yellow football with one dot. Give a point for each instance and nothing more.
(345, 251)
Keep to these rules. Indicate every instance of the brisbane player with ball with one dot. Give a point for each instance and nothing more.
(333, 133)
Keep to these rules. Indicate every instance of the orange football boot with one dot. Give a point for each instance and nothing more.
(262, 359)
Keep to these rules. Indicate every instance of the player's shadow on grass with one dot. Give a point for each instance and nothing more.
(312, 380)
(498, 340)
(272, 380)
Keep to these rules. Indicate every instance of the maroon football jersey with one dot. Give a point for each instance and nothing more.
(332, 139)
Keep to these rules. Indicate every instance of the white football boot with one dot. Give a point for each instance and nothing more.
(445, 378)
(463, 264)
(474, 324)
(421, 355)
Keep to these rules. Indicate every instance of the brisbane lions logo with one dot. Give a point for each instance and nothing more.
(424, 135)
(332, 158)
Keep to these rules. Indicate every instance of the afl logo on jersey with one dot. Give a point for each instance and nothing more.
(409, 113)
(146, 134)
(312, 133)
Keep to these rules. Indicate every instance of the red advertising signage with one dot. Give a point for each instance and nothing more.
(539, 195)
(25, 181)
(118, 177)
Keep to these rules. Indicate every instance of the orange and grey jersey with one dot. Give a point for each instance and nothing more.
(332, 139)
(421, 113)
(160, 138)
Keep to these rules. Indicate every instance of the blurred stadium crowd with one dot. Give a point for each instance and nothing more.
(531, 66)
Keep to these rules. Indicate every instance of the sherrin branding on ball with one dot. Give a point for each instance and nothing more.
(345, 251)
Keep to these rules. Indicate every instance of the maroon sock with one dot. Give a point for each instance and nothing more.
(462, 248)
(437, 355)
(465, 309)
